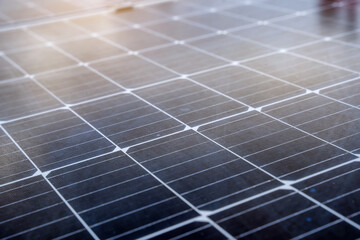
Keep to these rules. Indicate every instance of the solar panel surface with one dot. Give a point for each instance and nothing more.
(188, 119)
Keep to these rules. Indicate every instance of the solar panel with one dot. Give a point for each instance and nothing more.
(188, 119)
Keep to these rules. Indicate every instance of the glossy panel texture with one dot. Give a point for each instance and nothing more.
(188, 119)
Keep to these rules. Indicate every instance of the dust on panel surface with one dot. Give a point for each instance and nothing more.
(188, 119)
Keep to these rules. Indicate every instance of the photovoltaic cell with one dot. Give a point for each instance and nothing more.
(330, 120)
(274, 37)
(262, 140)
(195, 230)
(347, 14)
(247, 86)
(133, 39)
(61, 6)
(190, 103)
(77, 84)
(3, 19)
(201, 171)
(178, 30)
(214, 3)
(40, 60)
(21, 12)
(168, 8)
(126, 120)
(140, 16)
(136, 72)
(119, 199)
(8, 71)
(15, 39)
(347, 92)
(24, 97)
(298, 5)
(352, 38)
(340, 230)
(14, 165)
(309, 24)
(257, 12)
(218, 20)
(32, 210)
(98, 23)
(80, 49)
(192, 60)
(230, 48)
(58, 31)
(329, 189)
(308, 74)
(281, 214)
(56, 139)
(334, 53)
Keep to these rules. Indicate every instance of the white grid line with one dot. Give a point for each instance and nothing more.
(54, 189)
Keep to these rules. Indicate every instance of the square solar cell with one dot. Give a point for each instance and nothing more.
(8, 70)
(190, 102)
(99, 23)
(274, 37)
(172, 8)
(215, 3)
(300, 71)
(182, 59)
(58, 31)
(195, 230)
(315, 24)
(280, 215)
(132, 71)
(178, 30)
(57, 7)
(32, 210)
(82, 49)
(348, 92)
(24, 97)
(13, 164)
(339, 229)
(334, 53)
(3, 19)
(231, 48)
(126, 120)
(136, 39)
(218, 20)
(77, 84)
(300, 5)
(346, 13)
(16, 39)
(42, 59)
(247, 86)
(202, 172)
(118, 199)
(140, 16)
(277, 148)
(19, 11)
(257, 12)
(56, 139)
(352, 38)
(330, 120)
(329, 189)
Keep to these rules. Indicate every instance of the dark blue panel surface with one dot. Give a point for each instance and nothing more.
(191, 119)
